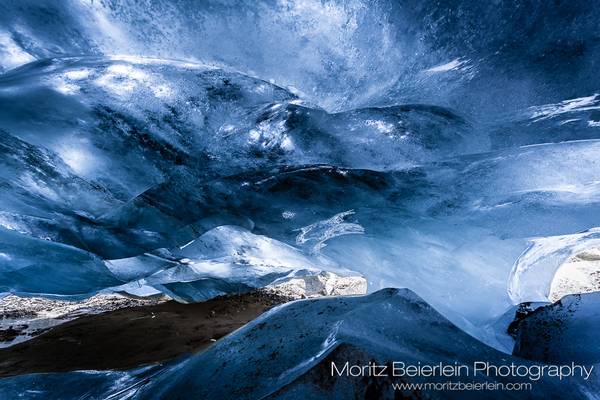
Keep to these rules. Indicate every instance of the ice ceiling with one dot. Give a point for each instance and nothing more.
(200, 148)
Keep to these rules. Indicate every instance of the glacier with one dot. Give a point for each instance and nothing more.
(197, 149)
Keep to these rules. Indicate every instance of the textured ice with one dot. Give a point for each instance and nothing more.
(199, 148)
(255, 361)
(565, 331)
(125, 156)
(320, 232)
(534, 272)
(224, 260)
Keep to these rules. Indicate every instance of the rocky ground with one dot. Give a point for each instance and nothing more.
(22, 318)
(580, 274)
(111, 331)
(133, 336)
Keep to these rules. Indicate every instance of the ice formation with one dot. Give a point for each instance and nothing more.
(201, 148)
(254, 363)
(565, 331)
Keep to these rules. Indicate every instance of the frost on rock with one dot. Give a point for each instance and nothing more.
(226, 259)
(580, 274)
(30, 316)
(322, 284)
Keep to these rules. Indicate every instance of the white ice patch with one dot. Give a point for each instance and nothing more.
(287, 144)
(63, 86)
(381, 126)
(39, 187)
(547, 111)
(67, 83)
(77, 74)
(271, 136)
(11, 54)
(594, 124)
(320, 232)
(568, 121)
(8, 223)
(81, 161)
(580, 274)
(124, 80)
(455, 65)
(191, 64)
(288, 214)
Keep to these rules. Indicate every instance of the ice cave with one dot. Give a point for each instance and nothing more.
(363, 179)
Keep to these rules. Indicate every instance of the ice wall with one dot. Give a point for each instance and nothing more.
(422, 145)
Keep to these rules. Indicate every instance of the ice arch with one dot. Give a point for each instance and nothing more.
(555, 266)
